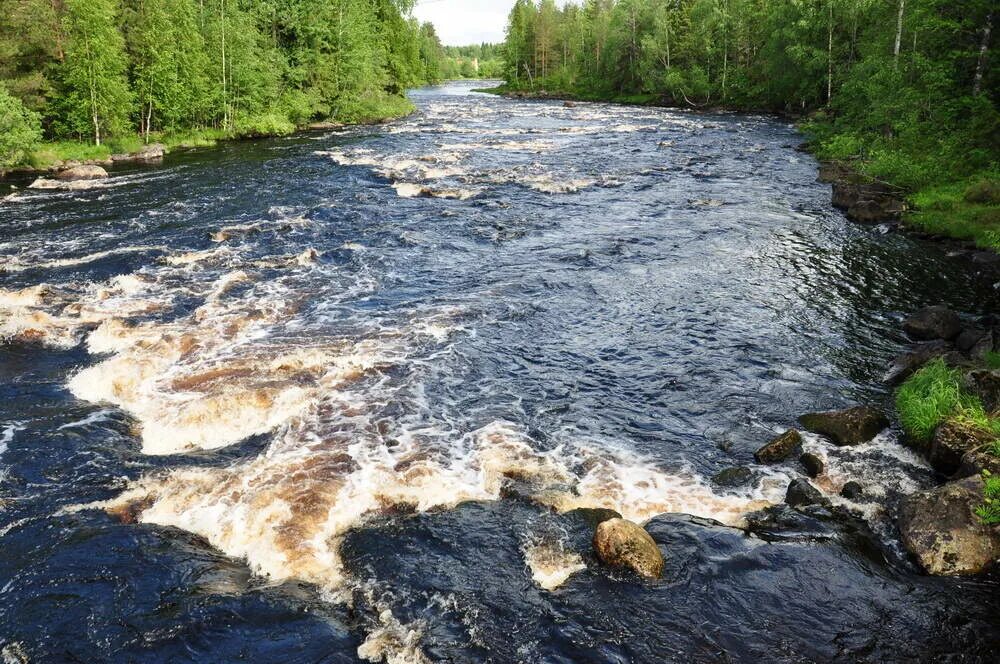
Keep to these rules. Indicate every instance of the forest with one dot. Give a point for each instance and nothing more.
(102, 71)
(903, 89)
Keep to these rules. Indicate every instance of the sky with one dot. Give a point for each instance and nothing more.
(463, 22)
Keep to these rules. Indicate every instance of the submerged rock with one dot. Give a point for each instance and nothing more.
(801, 493)
(852, 490)
(940, 528)
(86, 172)
(731, 477)
(592, 516)
(779, 448)
(951, 442)
(847, 427)
(813, 464)
(937, 322)
(621, 543)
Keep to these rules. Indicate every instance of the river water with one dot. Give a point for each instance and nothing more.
(332, 398)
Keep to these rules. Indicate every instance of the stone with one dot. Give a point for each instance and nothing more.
(87, 172)
(852, 490)
(593, 516)
(813, 464)
(985, 385)
(151, 152)
(732, 477)
(951, 442)
(974, 462)
(908, 363)
(622, 543)
(937, 322)
(569, 104)
(801, 493)
(779, 448)
(968, 338)
(847, 427)
(940, 529)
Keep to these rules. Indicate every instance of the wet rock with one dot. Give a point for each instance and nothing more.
(937, 322)
(852, 491)
(847, 427)
(968, 338)
(974, 462)
(592, 516)
(88, 172)
(621, 543)
(801, 493)
(325, 126)
(868, 203)
(908, 363)
(779, 448)
(951, 442)
(151, 152)
(732, 477)
(985, 385)
(569, 104)
(813, 464)
(984, 346)
(940, 528)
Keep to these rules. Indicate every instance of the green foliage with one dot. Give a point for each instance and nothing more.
(929, 397)
(20, 130)
(993, 360)
(989, 511)
(946, 210)
(984, 192)
(46, 155)
(200, 70)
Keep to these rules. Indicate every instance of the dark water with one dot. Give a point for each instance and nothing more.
(272, 408)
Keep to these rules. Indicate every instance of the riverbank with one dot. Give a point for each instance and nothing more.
(53, 156)
(921, 195)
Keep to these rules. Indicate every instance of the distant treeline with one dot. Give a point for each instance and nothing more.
(905, 86)
(477, 61)
(93, 69)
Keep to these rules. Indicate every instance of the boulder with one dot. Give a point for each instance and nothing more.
(732, 477)
(779, 448)
(868, 203)
(852, 490)
(968, 338)
(88, 172)
(813, 464)
(151, 152)
(937, 322)
(985, 385)
(984, 346)
(621, 543)
(847, 427)
(593, 516)
(974, 462)
(801, 493)
(951, 442)
(569, 104)
(909, 363)
(940, 529)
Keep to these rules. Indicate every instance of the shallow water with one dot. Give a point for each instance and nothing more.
(332, 397)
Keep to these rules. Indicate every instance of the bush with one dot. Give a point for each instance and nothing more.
(20, 130)
(989, 511)
(985, 192)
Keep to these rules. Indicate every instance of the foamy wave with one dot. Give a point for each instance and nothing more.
(18, 263)
(551, 564)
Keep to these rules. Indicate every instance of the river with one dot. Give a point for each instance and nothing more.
(329, 398)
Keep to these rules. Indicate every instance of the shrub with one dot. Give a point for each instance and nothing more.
(989, 511)
(20, 130)
(986, 192)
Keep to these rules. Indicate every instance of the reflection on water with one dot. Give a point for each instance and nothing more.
(301, 356)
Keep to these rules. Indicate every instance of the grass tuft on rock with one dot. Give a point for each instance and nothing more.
(931, 396)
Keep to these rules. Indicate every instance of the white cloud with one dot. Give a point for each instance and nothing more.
(463, 22)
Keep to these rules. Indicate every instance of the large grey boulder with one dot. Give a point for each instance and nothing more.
(951, 442)
(622, 543)
(84, 172)
(846, 427)
(940, 528)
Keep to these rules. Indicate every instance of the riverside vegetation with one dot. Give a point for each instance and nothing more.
(94, 77)
(900, 90)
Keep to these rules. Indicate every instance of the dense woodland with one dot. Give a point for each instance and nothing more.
(95, 70)
(907, 87)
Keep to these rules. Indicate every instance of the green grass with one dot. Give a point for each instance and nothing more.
(989, 511)
(931, 396)
(962, 210)
(46, 155)
(992, 360)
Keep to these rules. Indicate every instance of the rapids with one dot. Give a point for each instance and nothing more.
(334, 397)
